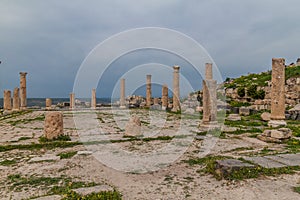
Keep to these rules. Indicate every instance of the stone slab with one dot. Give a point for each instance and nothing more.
(287, 159)
(44, 158)
(265, 162)
(96, 189)
(84, 152)
(52, 197)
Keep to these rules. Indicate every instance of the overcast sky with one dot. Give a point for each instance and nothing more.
(51, 38)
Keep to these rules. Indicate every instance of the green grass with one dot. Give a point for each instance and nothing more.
(297, 189)
(26, 121)
(295, 130)
(8, 162)
(43, 139)
(244, 122)
(67, 154)
(293, 145)
(238, 104)
(242, 131)
(15, 114)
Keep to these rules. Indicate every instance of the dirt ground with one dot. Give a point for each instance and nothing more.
(130, 167)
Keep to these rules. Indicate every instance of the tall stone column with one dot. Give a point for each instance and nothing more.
(7, 100)
(72, 100)
(148, 91)
(94, 100)
(16, 100)
(164, 97)
(122, 93)
(278, 92)
(48, 103)
(176, 92)
(209, 97)
(23, 92)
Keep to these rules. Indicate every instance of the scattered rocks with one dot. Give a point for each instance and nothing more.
(276, 123)
(45, 158)
(266, 116)
(244, 111)
(234, 117)
(95, 189)
(53, 125)
(277, 136)
(133, 127)
(228, 166)
(84, 152)
(52, 197)
(189, 111)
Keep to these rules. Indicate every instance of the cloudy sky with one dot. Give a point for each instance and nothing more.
(50, 39)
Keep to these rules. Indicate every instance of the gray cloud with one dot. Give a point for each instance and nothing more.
(50, 39)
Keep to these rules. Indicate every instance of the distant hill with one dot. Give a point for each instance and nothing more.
(260, 79)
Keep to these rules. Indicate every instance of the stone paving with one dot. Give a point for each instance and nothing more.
(276, 161)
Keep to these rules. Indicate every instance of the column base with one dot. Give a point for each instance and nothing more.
(209, 125)
(276, 123)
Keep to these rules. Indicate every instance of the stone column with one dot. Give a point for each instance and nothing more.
(94, 100)
(164, 98)
(176, 92)
(209, 97)
(156, 101)
(48, 103)
(23, 92)
(7, 100)
(208, 71)
(16, 100)
(72, 100)
(148, 91)
(54, 126)
(278, 92)
(122, 93)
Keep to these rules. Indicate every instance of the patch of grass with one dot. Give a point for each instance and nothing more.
(297, 189)
(245, 123)
(238, 104)
(106, 195)
(242, 131)
(8, 162)
(43, 139)
(15, 114)
(295, 130)
(67, 154)
(37, 146)
(293, 145)
(26, 121)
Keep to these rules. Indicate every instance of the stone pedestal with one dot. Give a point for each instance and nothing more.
(48, 104)
(93, 100)
(72, 101)
(53, 127)
(122, 93)
(16, 100)
(176, 92)
(148, 91)
(7, 101)
(164, 97)
(156, 101)
(133, 127)
(23, 92)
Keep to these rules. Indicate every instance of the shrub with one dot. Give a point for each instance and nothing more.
(241, 91)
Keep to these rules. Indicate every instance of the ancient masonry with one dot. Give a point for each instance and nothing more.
(23, 93)
(48, 103)
(16, 99)
(176, 92)
(148, 91)
(72, 100)
(53, 125)
(122, 93)
(164, 98)
(278, 92)
(7, 100)
(209, 97)
(93, 101)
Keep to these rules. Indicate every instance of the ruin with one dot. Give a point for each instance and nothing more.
(209, 97)
(176, 92)
(122, 93)
(278, 93)
(7, 100)
(148, 90)
(48, 103)
(93, 100)
(23, 92)
(16, 99)
(164, 98)
(53, 126)
(72, 100)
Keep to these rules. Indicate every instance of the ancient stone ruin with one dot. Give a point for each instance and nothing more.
(164, 98)
(23, 92)
(48, 103)
(7, 101)
(176, 91)
(53, 126)
(133, 127)
(16, 100)
(122, 93)
(148, 91)
(72, 101)
(93, 100)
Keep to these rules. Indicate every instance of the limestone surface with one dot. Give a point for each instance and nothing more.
(53, 126)
(133, 127)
